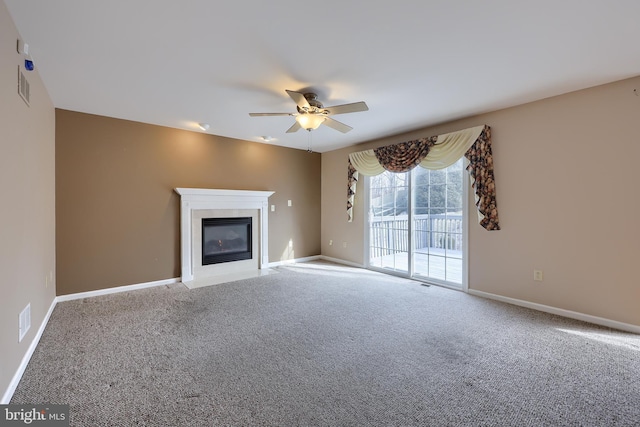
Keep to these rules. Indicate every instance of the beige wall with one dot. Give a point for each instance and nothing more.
(27, 222)
(118, 215)
(566, 179)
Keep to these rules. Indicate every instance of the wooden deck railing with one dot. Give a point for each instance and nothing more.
(439, 231)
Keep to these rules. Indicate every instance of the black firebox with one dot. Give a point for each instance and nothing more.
(226, 239)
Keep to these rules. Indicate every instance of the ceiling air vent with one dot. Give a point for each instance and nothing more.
(23, 86)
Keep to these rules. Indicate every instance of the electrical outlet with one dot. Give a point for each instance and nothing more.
(537, 275)
(273, 208)
(330, 242)
(288, 202)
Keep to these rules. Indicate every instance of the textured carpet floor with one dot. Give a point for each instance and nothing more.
(321, 344)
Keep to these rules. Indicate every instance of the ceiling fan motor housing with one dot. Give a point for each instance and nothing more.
(316, 105)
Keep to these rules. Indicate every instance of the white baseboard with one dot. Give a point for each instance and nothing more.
(294, 261)
(341, 261)
(560, 312)
(8, 394)
(315, 258)
(116, 290)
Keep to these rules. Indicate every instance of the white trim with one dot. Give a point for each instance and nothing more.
(341, 261)
(411, 228)
(466, 208)
(294, 261)
(366, 221)
(560, 312)
(117, 289)
(8, 394)
(203, 194)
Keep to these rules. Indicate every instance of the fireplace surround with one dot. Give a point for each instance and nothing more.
(200, 204)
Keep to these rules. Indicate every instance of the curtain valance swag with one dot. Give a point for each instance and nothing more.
(435, 152)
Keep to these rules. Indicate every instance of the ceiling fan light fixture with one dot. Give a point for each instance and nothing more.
(204, 126)
(310, 121)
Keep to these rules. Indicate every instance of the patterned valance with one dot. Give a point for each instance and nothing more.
(436, 152)
(404, 156)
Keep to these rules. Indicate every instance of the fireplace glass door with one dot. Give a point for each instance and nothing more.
(226, 240)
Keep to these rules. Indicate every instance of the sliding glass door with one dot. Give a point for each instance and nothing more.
(389, 222)
(416, 224)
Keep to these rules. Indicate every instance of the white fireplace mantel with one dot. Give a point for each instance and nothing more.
(202, 198)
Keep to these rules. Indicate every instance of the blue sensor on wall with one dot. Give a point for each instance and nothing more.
(28, 64)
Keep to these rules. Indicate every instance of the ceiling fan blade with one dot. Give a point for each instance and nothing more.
(347, 108)
(299, 99)
(269, 114)
(334, 124)
(295, 128)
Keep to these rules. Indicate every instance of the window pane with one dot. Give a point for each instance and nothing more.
(437, 197)
(388, 227)
(421, 199)
(438, 176)
(437, 267)
(454, 191)
(454, 270)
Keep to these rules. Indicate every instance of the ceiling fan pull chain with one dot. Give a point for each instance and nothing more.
(309, 150)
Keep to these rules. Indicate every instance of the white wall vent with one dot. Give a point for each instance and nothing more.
(23, 86)
(24, 322)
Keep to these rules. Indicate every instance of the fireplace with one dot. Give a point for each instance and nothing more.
(226, 240)
(242, 213)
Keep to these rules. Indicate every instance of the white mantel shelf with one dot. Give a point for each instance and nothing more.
(199, 193)
(204, 198)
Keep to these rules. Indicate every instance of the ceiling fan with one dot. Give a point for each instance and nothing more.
(311, 113)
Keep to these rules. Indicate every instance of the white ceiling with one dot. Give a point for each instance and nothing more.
(415, 63)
